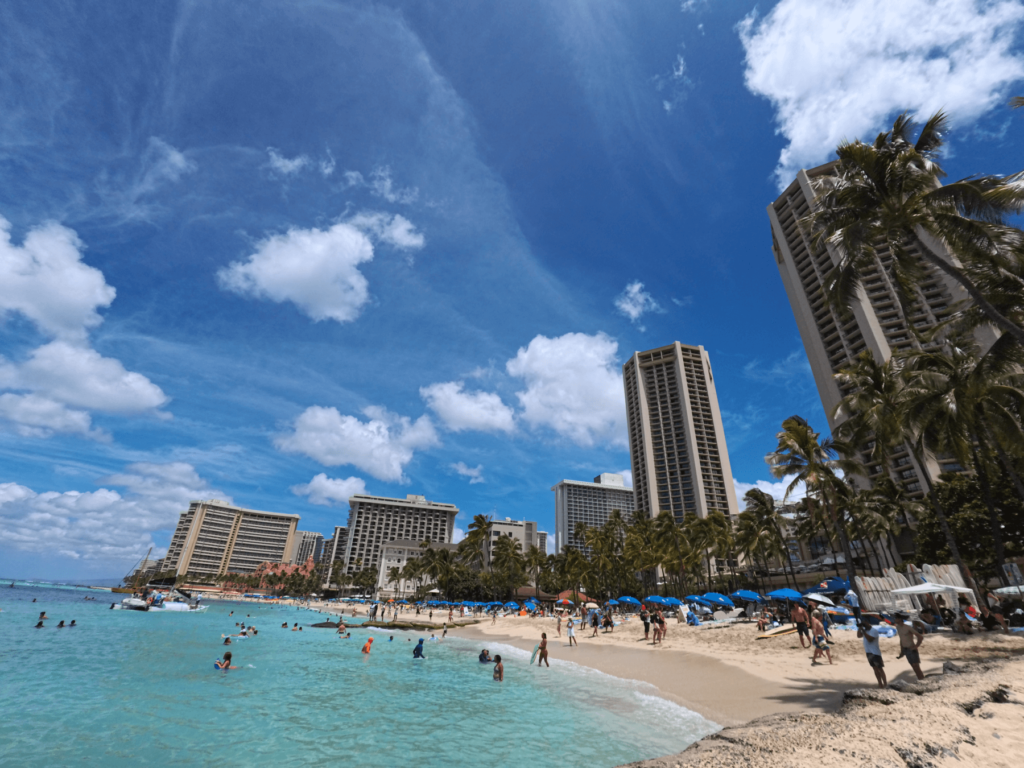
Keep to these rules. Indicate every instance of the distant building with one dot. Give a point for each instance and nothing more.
(542, 540)
(524, 531)
(310, 545)
(334, 550)
(676, 440)
(395, 554)
(217, 538)
(577, 502)
(373, 521)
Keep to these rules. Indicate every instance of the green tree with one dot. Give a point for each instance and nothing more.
(536, 561)
(508, 563)
(764, 509)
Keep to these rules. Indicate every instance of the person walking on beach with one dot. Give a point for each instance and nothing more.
(869, 636)
(799, 616)
(853, 601)
(910, 641)
(594, 622)
(571, 632)
(820, 643)
(662, 626)
(543, 655)
(558, 625)
(499, 669)
(645, 617)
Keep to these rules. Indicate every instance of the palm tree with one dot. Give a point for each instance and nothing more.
(711, 535)
(507, 559)
(967, 404)
(395, 576)
(536, 561)
(640, 551)
(880, 407)
(816, 463)
(1017, 102)
(478, 540)
(762, 506)
(885, 196)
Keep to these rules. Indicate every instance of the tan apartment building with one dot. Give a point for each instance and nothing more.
(877, 323)
(676, 440)
(217, 538)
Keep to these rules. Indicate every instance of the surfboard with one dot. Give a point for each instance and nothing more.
(536, 648)
(785, 629)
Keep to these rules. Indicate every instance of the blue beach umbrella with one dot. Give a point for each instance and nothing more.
(829, 586)
(673, 601)
(785, 594)
(719, 599)
(657, 599)
(698, 599)
(612, 602)
(631, 600)
(747, 596)
(510, 604)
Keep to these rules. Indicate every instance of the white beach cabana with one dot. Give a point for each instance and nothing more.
(930, 589)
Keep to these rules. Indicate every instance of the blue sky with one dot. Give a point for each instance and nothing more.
(281, 252)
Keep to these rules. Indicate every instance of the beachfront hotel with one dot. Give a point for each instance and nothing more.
(542, 541)
(310, 544)
(577, 502)
(217, 538)
(525, 531)
(877, 322)
(374, 521)
(676, 440)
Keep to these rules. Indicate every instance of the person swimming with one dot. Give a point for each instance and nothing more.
(485, 656)
(72, 624)
(61, 625)
(366, 646)
(417, 652)
(42, 615)
(226, 662)
(227, 641)
(39, 625)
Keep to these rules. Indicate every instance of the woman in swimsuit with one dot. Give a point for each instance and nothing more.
(226, 663)
(499, 669)
(543, 656)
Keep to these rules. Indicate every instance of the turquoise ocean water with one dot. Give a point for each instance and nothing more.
(128, 688)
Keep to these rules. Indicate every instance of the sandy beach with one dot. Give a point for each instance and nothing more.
(726, 674)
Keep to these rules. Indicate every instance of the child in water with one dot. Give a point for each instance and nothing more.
(366, 647)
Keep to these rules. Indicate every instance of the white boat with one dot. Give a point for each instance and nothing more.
(176, 602)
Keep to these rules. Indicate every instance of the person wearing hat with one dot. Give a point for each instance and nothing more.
(910, 641)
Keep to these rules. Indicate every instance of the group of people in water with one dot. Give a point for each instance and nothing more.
(43, 617)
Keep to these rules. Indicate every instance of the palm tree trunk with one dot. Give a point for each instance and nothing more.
(786, 562)
(940, 513)
(994, 315)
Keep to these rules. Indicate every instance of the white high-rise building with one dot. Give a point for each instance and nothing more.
(676, 440)
(525, 531)
(374, 521)
(577, 502)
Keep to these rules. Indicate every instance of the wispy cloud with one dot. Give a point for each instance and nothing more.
(286, 166)
(634, 302)
(475, 474)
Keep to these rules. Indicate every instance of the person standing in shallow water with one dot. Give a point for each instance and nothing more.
(499, 669)
(543, 656)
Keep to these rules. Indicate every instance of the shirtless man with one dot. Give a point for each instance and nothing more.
(543, 655)
(799, 615)
(820, 644)
(910, 641)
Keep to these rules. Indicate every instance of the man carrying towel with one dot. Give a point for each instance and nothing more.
(910, 641)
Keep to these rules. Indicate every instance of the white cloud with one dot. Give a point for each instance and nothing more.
(574, 386)
(102, 524)
(482, 411)
(162, 164)
(775, 490)
(457, 534)
(45, 280)
(634, 302)
(284, 165)
(627, 477)
(793, 366)
(353, 178)
(327, 491)
(315, 269)
(79, 376)
(395, 230)
(34, 416)
(381, 185)
(475, 474)
(837, 69)
(328, 165)
(381, 446)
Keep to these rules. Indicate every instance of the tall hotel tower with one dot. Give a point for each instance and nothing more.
(676, 440)
(877, 322)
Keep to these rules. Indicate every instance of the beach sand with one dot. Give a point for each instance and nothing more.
(726, 674)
